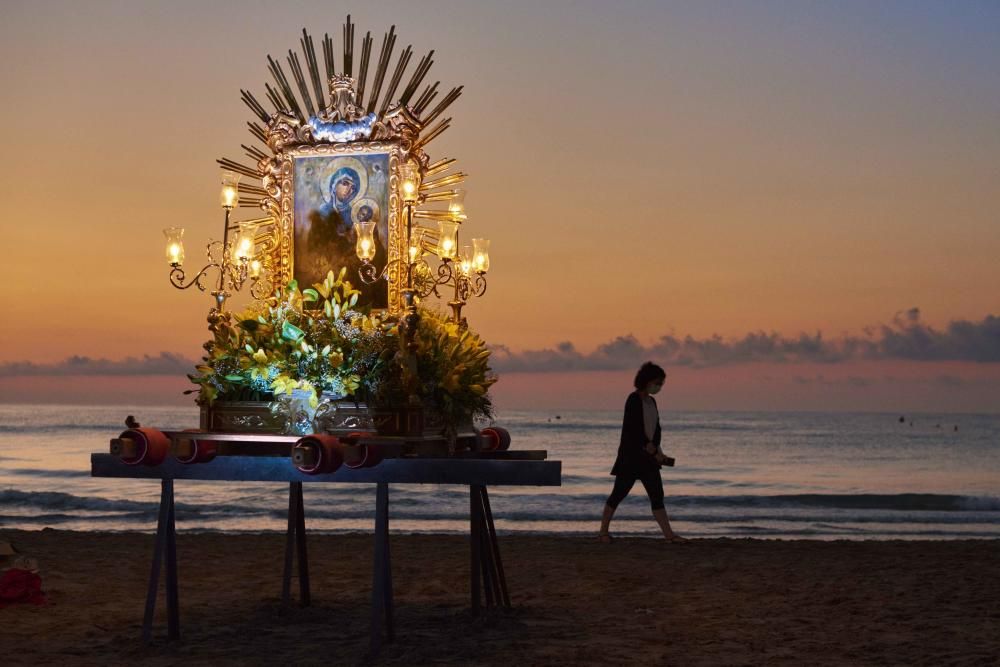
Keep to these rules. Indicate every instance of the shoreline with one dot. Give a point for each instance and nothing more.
(714, 601)
(650, 534)
(184, 403)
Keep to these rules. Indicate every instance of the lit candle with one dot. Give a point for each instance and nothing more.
(243, 247)
(447, 239)
(230, 194)
(481, 255)
(456, 207)
(175, 246)
(410, 175)
(365, 245)
(465, 260)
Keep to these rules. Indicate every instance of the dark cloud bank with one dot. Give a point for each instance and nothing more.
(165, 363)
(906, 338)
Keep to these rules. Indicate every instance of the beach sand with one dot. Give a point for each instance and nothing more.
(575, 601)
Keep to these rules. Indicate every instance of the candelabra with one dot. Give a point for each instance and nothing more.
(464, 271)
(234, 260)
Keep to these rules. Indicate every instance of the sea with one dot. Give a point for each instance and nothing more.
(823, 476)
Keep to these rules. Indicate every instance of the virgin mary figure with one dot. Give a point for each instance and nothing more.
(343, 186)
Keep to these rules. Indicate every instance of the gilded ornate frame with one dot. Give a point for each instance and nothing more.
(396, 227)
(358, 113)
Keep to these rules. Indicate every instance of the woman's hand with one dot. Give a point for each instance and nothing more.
(650, 448)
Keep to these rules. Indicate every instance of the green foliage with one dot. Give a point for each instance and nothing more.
(452, 371)
(281, 346)
(319, 341)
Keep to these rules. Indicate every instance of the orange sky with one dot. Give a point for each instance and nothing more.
(642, 169)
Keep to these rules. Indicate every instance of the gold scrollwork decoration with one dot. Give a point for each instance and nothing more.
(308, 120)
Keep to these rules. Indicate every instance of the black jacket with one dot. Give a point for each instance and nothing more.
(633, 459)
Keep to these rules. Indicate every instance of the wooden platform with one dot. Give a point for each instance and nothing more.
(477, 470)
(269, 444)
(518, 468)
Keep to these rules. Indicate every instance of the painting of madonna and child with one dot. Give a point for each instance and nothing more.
(333, 193)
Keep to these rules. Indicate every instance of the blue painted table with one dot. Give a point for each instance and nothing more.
(477, 471)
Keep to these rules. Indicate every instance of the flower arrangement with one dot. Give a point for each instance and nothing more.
(317, 341)
(452, 371)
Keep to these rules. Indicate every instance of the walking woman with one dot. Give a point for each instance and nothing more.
(639, 453)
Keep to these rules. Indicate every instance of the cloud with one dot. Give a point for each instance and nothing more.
(166, 363)
(905, 338)
(961, 340)
(949, 381)
(851, 381)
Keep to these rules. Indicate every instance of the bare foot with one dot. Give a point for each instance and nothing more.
(674, 538)
(605, 538)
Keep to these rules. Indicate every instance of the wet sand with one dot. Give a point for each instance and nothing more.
(575, 601)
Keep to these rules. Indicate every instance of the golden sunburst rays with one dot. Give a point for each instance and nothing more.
(426, 97)
(444, 195)
(438, 187)
(452, 95)
(242, 169)
(252, 195)
(441, 165)
(254, 153)
(301, 103)
(388, 43)
(312, 64)
(249, 193)
(258, 132)
(251, 189)
(442, 182)
(366, 53)
(300, 88)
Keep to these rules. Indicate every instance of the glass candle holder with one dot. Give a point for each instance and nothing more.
(243, 245)
(480, 255)
(456, 206)
(447, 239)
(415, 249)
(230, 193)
(175, 245)
(465, 260)
(365, 245)
(409, 182)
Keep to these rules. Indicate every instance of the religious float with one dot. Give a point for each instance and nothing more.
(338, 369)
(353, 227)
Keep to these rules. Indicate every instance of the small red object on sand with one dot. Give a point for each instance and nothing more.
(20, 586)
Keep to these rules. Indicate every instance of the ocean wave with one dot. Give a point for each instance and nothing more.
(40, 472)
(865, 501)
(56, 507)
(198, 517)
(927, 502)
(56, 518)
(66, 501)
(565, 425)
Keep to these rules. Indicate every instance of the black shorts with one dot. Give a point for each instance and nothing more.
(651, 480)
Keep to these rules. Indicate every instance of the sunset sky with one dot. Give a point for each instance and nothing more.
(792, 206)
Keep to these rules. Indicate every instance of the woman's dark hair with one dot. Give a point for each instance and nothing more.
(647, 373)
